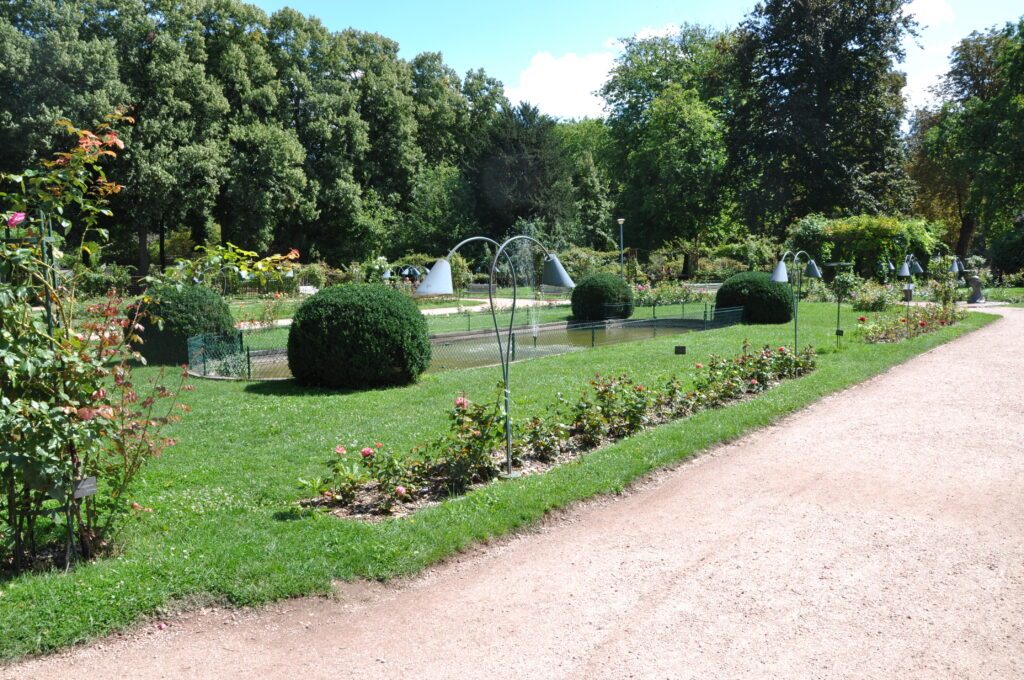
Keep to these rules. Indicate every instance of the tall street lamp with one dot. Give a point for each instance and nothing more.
(622, 256)
(439, 282)
(781, 275)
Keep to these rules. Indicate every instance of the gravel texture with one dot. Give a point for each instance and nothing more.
(877, 534)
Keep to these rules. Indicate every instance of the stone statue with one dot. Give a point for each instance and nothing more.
(977, 294)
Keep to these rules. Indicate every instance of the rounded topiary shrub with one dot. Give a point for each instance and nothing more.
(183, 311)
(356, 336)
(762, 300)
(602, 296)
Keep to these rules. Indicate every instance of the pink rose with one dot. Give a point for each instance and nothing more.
(753, 381)
(15, 219)
(340, 450)
(366, 452)
(400, 491)
(461, 402)
(379, 445)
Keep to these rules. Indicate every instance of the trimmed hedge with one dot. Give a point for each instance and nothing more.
(763, 301)
(183, 312)
(602, 296)
(356, 336)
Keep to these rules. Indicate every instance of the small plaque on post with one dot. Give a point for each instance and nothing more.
(85, 487)
(840, 332)
(680, 349)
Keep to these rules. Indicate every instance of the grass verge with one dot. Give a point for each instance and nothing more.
(225, 524)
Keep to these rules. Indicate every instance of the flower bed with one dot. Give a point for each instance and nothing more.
(894, 328)
(377, 483)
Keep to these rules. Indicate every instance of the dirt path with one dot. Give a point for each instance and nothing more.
(877, 534)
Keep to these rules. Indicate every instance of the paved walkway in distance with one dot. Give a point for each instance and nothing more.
(876, 534)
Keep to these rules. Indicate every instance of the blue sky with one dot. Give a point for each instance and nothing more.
(556, 53)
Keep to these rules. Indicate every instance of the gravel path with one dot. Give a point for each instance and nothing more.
(876, 534)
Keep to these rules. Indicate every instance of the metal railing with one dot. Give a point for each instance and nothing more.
(261, 353)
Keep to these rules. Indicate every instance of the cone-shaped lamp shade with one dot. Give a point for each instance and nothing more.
(781, 274)
(915, 267)
(892, 268)
(812, 270)
(386, 275)
(438, 281)
(554, 274)
(904, 270)
(954, 267)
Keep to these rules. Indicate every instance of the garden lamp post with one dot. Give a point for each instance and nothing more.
(439, 282)
(781, 275)
(956, 267)
(622, 251)
(910, 267)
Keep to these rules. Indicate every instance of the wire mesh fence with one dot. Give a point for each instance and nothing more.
(260, 353)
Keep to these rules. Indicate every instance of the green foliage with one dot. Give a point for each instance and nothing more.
(864, 240)
(898, 327)
(815, 126)
(71, 409)
(602, 296)
(93, 283)
(357, 336)
(719, 268)
(523, 172)
(583, 262)
(763, 300)
(1008, 250)
(176, 313)
(465, 455)
(845, 285)
(873, 297)
(664, 97)
(227, 268)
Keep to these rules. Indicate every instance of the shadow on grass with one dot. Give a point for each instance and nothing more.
(289, 388)
(292, 388)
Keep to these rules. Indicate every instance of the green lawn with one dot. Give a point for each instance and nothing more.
(1013, 295)
(226, 526)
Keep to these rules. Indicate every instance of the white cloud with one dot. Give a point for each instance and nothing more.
(931, 12)
(927, 55)
(564, 86)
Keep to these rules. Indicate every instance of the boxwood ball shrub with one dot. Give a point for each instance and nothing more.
(357, 336)
(183, 311)
(763, 301)
(602, 296)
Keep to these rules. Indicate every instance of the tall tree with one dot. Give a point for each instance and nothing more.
(965, 154)
(815, 121)
(522, 172)
(441, 111)
(667, 99)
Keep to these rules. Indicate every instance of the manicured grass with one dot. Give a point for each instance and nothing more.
(1013, 295)
(226, 525)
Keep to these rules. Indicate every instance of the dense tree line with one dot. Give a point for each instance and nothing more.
(967, 154)
(273, 132)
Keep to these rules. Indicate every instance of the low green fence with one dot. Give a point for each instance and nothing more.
(261, 353)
